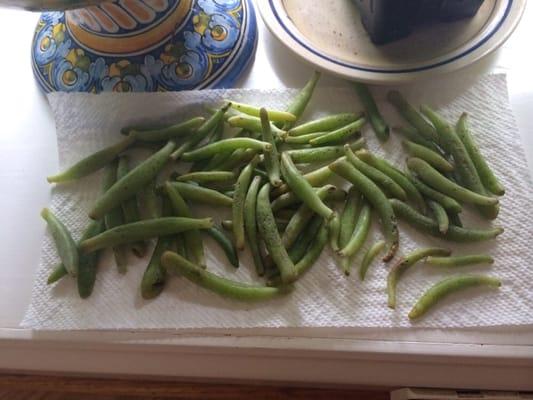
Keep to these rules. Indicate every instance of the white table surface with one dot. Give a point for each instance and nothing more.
(27, 142)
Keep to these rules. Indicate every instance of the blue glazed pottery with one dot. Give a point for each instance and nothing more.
(144, 46)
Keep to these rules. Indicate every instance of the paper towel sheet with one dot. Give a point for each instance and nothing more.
(324, 297)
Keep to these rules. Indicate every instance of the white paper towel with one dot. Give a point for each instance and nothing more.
(324, 297)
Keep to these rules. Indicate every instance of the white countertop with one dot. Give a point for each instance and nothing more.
(27, 141)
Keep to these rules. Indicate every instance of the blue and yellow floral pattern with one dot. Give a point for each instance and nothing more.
(144, 45)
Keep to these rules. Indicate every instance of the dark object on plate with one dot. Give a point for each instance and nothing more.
(389, 20)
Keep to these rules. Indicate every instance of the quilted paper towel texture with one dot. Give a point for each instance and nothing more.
(324, 297)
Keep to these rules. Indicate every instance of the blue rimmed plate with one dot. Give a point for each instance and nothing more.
(329, 35)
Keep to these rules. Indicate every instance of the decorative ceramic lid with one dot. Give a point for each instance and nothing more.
(145, 45)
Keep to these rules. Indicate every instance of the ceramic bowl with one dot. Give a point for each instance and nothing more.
(144, 46)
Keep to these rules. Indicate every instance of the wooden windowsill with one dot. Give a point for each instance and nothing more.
(30, 387)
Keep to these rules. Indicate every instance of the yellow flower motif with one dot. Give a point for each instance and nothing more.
(115, 69)
(167, 58)
(201, 22)
(58, 32)
(72, 56)
(172, 53)
(78, 59)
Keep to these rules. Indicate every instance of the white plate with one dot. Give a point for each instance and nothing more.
(329, 34)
